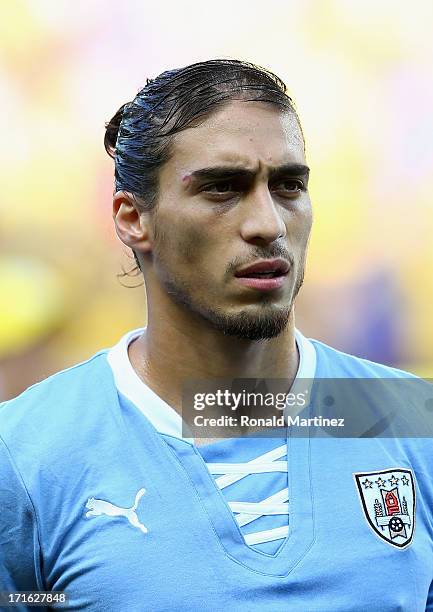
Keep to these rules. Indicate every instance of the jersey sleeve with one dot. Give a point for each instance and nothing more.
(429, 604)
(19, 542)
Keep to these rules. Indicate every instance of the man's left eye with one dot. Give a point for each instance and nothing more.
(291, 186)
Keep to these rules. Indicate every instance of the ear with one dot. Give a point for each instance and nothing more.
(132, 227)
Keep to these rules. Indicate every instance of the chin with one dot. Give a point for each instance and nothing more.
(248, 325)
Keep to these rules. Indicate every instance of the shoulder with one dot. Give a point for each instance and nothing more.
(389, 401)
(50, 409)
(335, 363)
(49, 431)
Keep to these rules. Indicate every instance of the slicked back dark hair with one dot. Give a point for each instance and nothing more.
(139, 136)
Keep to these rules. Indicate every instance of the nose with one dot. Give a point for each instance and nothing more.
(262, 221)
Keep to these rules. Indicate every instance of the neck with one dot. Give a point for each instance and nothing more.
(175, 348)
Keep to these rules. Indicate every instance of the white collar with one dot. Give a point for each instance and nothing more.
(162, 416)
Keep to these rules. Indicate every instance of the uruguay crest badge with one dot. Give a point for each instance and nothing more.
(388, 501)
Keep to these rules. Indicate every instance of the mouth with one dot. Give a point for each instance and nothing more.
(266, 275)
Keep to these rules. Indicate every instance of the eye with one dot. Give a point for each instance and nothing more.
(222, 192)
(220, 187)
(289, 187)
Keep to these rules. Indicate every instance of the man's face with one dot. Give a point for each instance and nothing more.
(234, 193)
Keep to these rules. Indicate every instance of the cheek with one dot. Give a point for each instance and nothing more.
(181, 244)
(191, 245)
(300, 226)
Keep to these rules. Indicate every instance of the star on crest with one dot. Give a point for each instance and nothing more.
(393, 480)
(405, 480)
(367, 484)
(380, 482)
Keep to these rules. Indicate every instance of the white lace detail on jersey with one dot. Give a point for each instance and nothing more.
(247, 512)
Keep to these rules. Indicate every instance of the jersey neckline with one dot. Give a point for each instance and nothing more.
(162, 416)
(165, 420)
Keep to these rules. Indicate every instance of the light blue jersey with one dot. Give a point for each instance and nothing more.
(102, 497)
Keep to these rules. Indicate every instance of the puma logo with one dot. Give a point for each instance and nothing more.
(100, 506)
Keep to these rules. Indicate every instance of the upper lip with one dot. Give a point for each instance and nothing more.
(265, 265)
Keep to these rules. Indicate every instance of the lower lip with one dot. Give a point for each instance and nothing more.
(262, 284)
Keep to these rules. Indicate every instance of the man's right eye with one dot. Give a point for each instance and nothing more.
(217, 188)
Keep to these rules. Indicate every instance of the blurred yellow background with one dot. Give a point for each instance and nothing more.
(360, 74)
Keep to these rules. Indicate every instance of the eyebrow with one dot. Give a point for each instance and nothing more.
(227, 172)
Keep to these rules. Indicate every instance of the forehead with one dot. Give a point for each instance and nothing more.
(241, 133)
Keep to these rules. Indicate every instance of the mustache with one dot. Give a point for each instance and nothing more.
(269, 252)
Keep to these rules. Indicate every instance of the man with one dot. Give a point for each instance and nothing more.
(102, 496)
